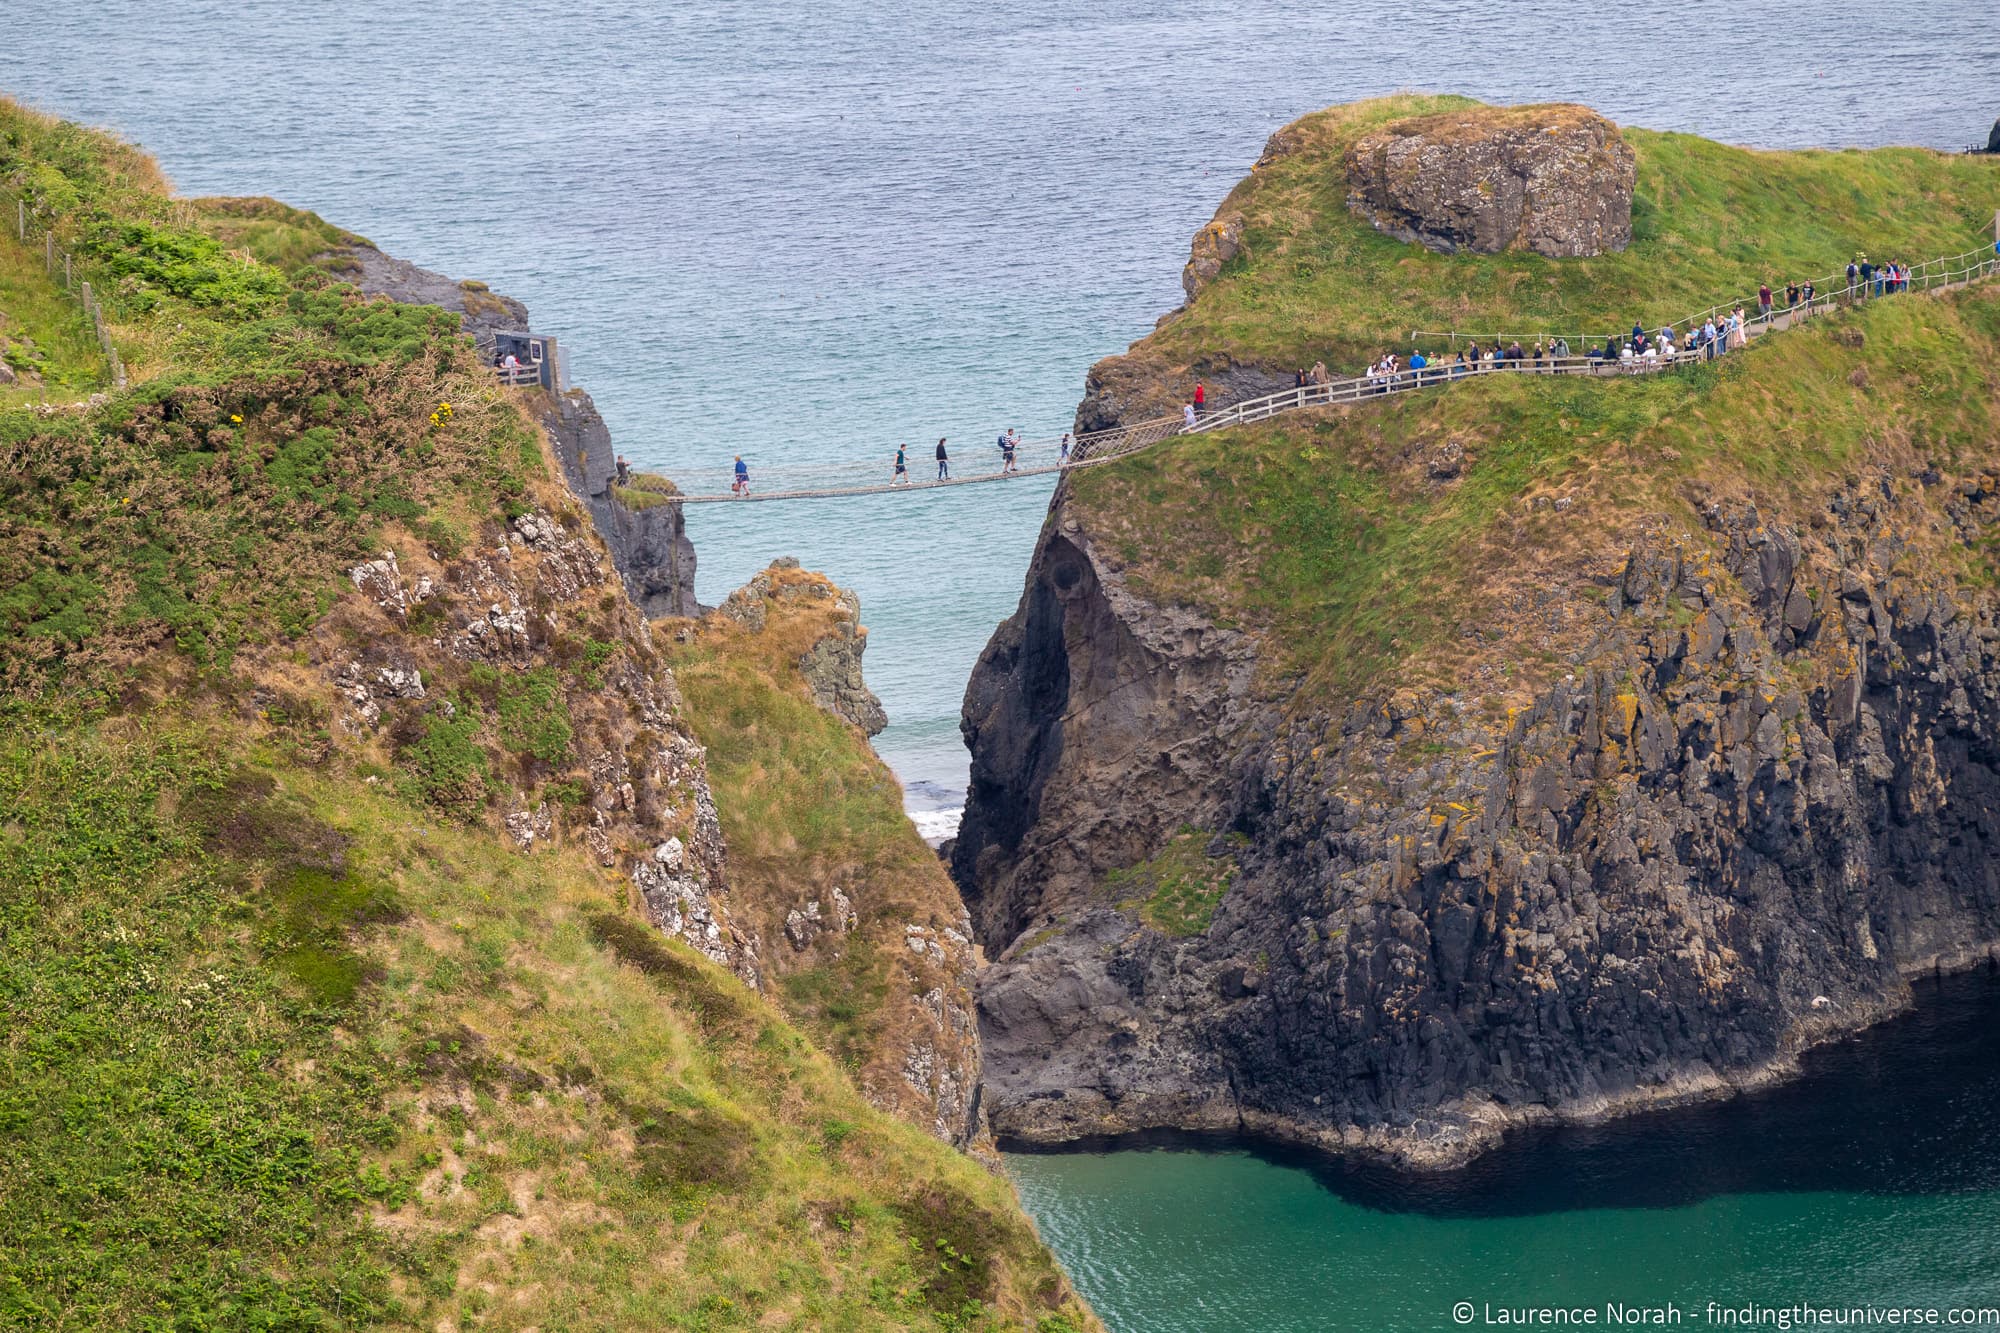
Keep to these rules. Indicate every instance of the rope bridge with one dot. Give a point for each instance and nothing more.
(1109, 446)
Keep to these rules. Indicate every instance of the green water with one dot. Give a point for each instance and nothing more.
(1874, 1180)
(1197, 1240)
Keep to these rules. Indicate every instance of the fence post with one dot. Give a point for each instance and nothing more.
(68, 286)
(21, 217)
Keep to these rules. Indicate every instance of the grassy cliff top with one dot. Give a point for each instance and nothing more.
(1422, 536)
(1710, 222)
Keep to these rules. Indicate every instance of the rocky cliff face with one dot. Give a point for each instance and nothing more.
(872, 947)
(1553, 179)
(1762, 793)
(430, 625)
(648, 546)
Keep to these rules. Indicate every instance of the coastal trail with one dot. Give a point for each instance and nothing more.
(1109, 446)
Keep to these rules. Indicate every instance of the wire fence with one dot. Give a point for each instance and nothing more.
(29, 223)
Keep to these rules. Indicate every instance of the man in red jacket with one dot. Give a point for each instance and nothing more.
(1200, 398)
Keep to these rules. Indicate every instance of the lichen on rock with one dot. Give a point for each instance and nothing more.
(1556, 180)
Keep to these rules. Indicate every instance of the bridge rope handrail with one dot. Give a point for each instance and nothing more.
(1095, 448)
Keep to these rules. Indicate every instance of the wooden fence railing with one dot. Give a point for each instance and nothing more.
(26, 225)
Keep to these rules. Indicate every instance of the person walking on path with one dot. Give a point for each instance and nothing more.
(1320, 375)
(741, 486)
(902, 473)
(1187, 416)
(1200, 398)
(1063, 450)
(1853, 273)
(1739, 330)
(944, 462)
(1764, 300)
(1008, 444)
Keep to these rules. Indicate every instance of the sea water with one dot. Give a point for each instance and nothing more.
(806, 234)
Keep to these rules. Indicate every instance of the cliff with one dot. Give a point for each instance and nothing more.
(1325, 791)
(1363, 223)
(647, 541)
(869, 947)
(374, 949)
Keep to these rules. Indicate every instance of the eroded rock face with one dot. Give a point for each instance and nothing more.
(1214, 245)
(509, 604)
(1555, 180)
(1095, 703)
(650, 547)
(1993, 138)
(1765, 795)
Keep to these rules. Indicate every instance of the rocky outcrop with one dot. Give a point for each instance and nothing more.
(876, 943)
(515, 604)
(481, 310)
(1094, 703)
(1765, 793)
(1143, 385)
(1553, 179)
(648, 541)
(1214, 245)
(1993, 138)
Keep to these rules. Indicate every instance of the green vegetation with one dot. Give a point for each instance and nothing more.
(283, 1049)
(1333, 534)
(806, 805)
(1710, 222)
(45, 339)
(1178, 891)
(278, 1056)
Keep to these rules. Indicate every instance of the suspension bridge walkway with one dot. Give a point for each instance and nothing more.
(1094, 449)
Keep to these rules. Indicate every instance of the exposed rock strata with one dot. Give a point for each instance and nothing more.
(646, 802)
(649, 547)
(1556, 180)
(889, 915)
(1768, 790)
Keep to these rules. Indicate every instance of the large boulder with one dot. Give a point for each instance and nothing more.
(1993, 138)
(1553, 179)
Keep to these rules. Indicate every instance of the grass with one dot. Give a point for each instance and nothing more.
(1177, 891)
(807, 806)
(290, 1036)
(1327, 533)
(1709, 223)
(43, 331)
(279, 1054)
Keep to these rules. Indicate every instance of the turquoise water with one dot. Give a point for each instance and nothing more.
(809, 233)
(1873, 1180)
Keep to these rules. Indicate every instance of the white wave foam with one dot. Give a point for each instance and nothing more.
(934, 826)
